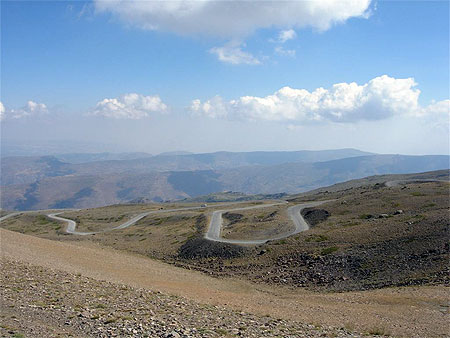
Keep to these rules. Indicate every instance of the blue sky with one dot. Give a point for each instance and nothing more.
(69, 56)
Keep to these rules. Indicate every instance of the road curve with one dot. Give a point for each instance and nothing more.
(33, 211)
(215, 225)
(10, 215)
(71, 225)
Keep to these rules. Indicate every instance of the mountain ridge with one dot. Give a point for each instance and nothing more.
(84, 190)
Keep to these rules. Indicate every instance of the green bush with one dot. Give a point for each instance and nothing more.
(329, 250)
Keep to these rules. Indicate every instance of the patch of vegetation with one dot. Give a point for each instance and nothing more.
(18, 335)
(350, 224)
(110, 320)
(222, 332)
(329, 250)
(378, 331)
(416, 193)
(317, 238)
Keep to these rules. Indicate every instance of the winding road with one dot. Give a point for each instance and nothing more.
(216, 223)
(71, 225)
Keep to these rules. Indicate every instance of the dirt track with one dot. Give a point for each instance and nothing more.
(412, 312)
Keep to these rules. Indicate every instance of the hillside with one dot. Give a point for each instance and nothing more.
(383, 247)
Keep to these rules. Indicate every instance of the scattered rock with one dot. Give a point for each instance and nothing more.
(201, 248)
(314, 216)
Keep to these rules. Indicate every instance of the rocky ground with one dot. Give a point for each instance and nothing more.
(42, 302)
(368, 237)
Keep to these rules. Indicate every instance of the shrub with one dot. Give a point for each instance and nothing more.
(329, 250)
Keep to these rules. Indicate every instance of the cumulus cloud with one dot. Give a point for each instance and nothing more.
(286, 35)
(380, 98)
(233, 54)
(30, 109)
(437, 114)
(231, 19)
(129, 106)
(436, 108)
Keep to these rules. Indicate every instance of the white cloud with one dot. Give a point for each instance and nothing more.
(436, 108)
(129, 106)
(380, 98)
(233, 54)
(2, 111)
(286, 35)
(284, 52)
(214, 108)
(232, 19)
(437, 114)
(30, 109)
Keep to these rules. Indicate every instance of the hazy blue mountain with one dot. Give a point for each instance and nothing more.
(76, 158)
(298, 177)
(17, 170)
(55, 185)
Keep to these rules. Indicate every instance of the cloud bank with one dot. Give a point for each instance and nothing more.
(30, 109)
(232, 19)
(380, 98)
(129, 106)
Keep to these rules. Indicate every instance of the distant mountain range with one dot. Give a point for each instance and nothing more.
(79, 180)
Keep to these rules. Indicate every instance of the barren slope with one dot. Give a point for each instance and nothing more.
(388, 310)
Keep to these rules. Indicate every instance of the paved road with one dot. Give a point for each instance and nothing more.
(215, 225)
(33, 211)
(71, 225)
(10, 215)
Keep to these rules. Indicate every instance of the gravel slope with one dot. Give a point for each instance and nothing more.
(389, 310)
(42, 302)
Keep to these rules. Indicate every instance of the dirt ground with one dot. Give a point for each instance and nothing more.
(407, 311)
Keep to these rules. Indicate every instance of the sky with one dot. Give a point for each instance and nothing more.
(207, 75)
